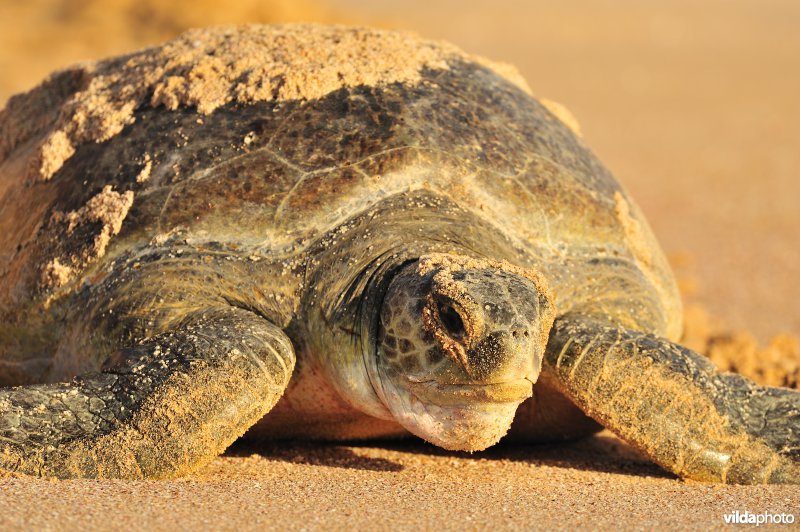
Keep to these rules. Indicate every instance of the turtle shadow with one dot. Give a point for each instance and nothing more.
(330, 454)
(600, 453)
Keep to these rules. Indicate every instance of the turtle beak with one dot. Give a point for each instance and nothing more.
(514, 391)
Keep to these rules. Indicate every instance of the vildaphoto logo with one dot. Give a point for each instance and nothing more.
(764, 518)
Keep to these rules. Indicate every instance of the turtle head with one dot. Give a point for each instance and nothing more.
(460, 345)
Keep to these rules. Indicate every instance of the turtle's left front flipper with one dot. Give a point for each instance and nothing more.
(161, 409)
(675, 406)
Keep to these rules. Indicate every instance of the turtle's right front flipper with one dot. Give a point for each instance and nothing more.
(167, 406)
(675, 406)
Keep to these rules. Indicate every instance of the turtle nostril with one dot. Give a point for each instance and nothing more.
(451, 321)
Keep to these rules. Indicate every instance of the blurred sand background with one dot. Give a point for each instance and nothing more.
(692, 104)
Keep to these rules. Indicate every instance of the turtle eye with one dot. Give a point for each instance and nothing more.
(452, 321)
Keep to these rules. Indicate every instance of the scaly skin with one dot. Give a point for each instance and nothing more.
(175, 401)
(675, 406)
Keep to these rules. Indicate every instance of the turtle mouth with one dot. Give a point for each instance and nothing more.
(459, 416)
(451, 394)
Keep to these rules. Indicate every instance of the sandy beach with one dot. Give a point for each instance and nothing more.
(692, 105)
(410, 486)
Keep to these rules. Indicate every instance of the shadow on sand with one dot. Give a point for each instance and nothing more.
(599, 453)
(314, 453)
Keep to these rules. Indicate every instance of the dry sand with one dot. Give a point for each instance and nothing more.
(692, 104)
(596, 482)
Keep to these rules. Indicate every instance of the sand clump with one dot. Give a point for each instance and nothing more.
(147, 167)
(206, 69)
(55, 274)
(105, 213)
(775, 364)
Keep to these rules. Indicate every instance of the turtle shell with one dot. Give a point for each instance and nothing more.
(273, 137)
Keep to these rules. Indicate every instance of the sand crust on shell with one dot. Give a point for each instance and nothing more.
(208, 68)
(109, 209)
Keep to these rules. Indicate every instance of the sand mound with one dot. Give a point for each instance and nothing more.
(774, 364)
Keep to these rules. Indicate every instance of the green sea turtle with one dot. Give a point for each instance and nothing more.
(335, 233)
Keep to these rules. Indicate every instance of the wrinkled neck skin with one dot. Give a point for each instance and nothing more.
(344, 333)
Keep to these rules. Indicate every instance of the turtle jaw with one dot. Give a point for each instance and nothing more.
(468, 393)
(457, 417)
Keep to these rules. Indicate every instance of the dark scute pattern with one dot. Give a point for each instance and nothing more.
(202, 164)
